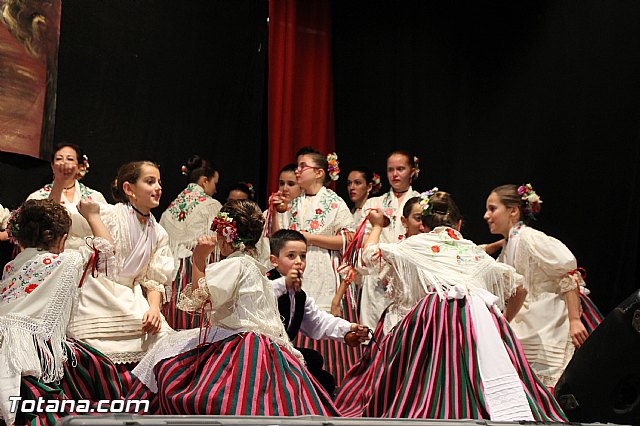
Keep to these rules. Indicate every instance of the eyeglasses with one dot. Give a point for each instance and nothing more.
(301, 169)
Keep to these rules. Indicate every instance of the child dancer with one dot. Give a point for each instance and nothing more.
(402, 170)
(188, 217)
(549, 326)
(116, 316)
(298, 311)
(453, 355)
(242, 362)
(326, 222)
(361, 183)
(39, 289)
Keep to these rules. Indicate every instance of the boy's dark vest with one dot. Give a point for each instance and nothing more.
(284, 307)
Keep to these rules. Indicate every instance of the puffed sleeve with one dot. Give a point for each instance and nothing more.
(4, 217)
(550, 255)
(161, 269)
(222, 280)
(106, 259)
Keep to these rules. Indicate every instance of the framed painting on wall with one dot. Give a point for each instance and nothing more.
(29, 37)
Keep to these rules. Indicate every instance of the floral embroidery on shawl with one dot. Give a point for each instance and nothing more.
(17, 284)
(187, 201)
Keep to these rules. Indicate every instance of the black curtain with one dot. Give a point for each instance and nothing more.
(495, 92)
(157, 80)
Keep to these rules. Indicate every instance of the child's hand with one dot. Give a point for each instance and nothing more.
(151, 321)
(204, 247)
(293, 279)
(358, 335)
(88, 208)
(377, 218)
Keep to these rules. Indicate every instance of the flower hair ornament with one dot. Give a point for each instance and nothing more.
(82, 171)
(12, 224)
(251, 190)
(531, 200)
(334, 168)
(416, 162)
(225, 226)
(377, 184)
(425, 201)
(184, 170)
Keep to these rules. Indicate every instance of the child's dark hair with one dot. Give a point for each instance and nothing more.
(291, 167)
(366, 172)
(129, 172)
(510, 197)
(408, 206)
(245, 187)
(442, 211)
(248, 218)
(306, 150)
(197, 167)
(39, 223)
(281, 237)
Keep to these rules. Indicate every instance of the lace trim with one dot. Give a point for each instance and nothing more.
(192, 300)
(573, 280)
(126, 357)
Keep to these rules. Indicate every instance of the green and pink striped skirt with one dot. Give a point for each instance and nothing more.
(176, 318)
(93, 377)
(245, 374)
(427, 367)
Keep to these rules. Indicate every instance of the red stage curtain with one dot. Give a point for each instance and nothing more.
(300, 87)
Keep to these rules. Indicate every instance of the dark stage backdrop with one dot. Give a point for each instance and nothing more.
(494, 92)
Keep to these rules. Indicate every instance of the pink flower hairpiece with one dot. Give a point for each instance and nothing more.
(250, 188)
(225, 226)
(82, 171)
(377, 184)
(334, 168)
(184, 170)
(531, 200)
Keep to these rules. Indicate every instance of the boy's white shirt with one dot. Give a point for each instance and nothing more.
(316, 324)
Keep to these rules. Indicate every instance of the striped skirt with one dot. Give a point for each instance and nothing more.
(245, 374)
(91, 377)
(427, 367)
(338, 356)
(177, 318)
(591, 316)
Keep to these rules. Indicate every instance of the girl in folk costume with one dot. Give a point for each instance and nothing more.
(242, 363)
(288, 190)
(69, 164)
(402, 169)
(39, 290)
(121, 317)
(188, 217)
(453, 354)
(557, 316)
(324, 219)
(361, 183)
